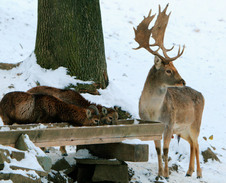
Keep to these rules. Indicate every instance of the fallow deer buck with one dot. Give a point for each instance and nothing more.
(165, 97)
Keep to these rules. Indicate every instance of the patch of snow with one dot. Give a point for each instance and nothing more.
(84, 154)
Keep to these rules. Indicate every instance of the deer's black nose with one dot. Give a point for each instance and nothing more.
(183, 82)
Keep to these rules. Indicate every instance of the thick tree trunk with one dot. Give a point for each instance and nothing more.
(69, 34)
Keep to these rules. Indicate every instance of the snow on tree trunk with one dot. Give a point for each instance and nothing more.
(69, 34)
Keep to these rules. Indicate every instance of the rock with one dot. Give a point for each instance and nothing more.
(173, 168)
(40, 173)
(7, 66)
(6, 155)
(63, 165)
(19, 178)
(25, 144)
(113, 173)
(18, 155)
(209, 154)
(100, 170)
(59, 177)
(131, 173)
(45, 162)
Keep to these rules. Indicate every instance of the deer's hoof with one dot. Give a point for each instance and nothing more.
(161, 179)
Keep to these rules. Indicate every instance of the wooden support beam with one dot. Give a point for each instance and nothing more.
(120, 151)
(60, 135)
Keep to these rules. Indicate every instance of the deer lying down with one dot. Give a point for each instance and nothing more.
(165, 97)
(108, 115)
(26, 108)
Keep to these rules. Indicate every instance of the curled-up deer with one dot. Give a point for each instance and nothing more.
(165, 97)
(107, 115)
(26, 108)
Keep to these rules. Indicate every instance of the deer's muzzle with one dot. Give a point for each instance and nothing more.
(182, 82)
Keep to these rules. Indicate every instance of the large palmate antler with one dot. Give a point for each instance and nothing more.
(157, 32)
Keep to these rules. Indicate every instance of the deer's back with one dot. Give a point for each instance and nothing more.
(181, 96)
(69, 96)
(18, 106)
(182, 106)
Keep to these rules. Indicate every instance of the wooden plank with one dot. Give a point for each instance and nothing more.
(136, 121)
(34, 126)
(93, 141)
(98, 161)
(125, 122)
(84, 135)
(120, 151)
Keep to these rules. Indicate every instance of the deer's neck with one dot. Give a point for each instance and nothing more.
(152, 98)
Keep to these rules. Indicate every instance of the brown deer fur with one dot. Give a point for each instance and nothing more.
(165, 98)
(180, 108)
(25, 108)
(108, 115)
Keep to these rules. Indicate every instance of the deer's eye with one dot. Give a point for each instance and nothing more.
(168, 71)
(96, 121)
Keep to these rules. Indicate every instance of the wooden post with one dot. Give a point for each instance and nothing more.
(120, 151)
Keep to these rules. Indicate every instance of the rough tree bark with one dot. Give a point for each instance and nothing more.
(69, 34)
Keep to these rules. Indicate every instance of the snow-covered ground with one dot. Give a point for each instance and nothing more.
(200, 25)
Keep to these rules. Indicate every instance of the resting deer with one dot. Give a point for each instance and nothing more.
(165, 97)
(26, 108)
(108, 115)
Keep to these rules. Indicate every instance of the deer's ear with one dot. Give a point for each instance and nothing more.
(158, 62)
(88, 113)
(104, 111)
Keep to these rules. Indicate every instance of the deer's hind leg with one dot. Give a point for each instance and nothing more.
(194, 153)
(199, 170)
(192, 158)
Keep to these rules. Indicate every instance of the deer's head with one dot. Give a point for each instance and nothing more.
(165, 71)
(167, 74)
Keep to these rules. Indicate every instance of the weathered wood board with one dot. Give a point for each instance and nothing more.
(58, 135)
(120, 151)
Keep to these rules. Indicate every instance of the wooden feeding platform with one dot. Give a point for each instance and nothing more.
(61, 134)
(104, 141)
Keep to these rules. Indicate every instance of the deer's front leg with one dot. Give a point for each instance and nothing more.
(159, 154)
(167, 138)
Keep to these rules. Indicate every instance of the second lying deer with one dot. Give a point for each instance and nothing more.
(108, 115)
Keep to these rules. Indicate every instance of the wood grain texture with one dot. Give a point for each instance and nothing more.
(57, 135)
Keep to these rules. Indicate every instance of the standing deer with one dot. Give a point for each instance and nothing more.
(165, 97)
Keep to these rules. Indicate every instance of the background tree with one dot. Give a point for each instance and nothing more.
(69, 34)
